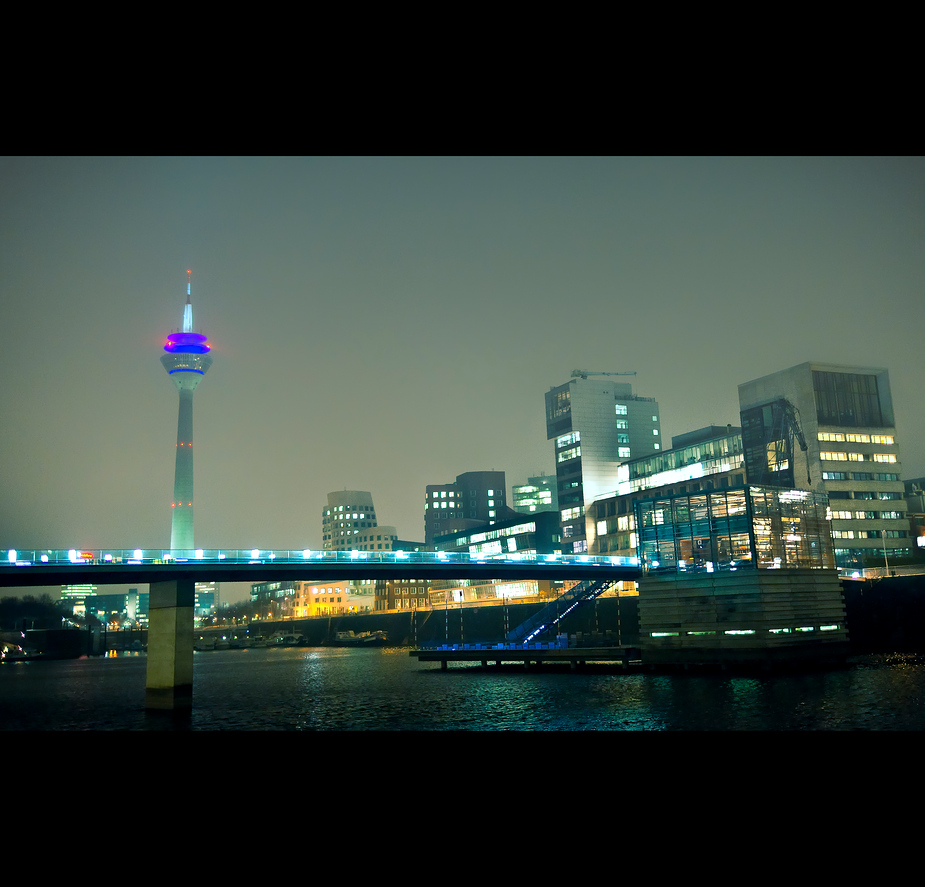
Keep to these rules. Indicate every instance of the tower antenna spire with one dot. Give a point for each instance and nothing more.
(188, 308)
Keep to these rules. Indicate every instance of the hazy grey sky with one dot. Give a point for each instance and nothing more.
(385, 323)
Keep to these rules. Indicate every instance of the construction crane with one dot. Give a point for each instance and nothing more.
(583, 374)
(786, 426)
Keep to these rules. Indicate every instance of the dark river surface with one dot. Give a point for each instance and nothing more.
(387, 690)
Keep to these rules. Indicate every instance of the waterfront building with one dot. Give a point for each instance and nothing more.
(915, 503)
(597, 424)
(831, 428)
(77, 591)
(706, 459)
(523, 536)
(744, 574)
(76, 597)
(346, 516)
(403, 594)
(322, 599)
(537, 494)
(297, 599)
(348, 523)
(131, 607)
(187, 360)
(473, 499)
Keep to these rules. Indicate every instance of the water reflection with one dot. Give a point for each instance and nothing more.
(385, 689)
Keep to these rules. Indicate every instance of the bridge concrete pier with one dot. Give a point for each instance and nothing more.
(169, 681)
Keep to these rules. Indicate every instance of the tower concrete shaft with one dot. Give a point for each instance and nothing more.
(181, 528)
(187, 360)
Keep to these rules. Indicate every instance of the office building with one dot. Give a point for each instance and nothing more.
(597, 424)
(707, 459)
(831, 428)
(187, 360)
(524, 537)
(537, 494)
(293, 599)
(473, 499)
(347, 517)
(348, 523)
(743, 574)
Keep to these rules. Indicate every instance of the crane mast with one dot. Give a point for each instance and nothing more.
(583, 374)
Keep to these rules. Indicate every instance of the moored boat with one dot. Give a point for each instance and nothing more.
(359, 639)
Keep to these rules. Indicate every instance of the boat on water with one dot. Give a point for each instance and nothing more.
(359, 639)
(10, 652)
(287, 640)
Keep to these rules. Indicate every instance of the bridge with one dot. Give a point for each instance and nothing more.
(172, 576)
(145, 566)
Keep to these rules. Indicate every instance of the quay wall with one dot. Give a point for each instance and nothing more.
(614, 619)
(886, 615)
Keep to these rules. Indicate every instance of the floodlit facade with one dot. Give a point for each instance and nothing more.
(297, 600)
(597, 424)
(187, 360)
(844, 416)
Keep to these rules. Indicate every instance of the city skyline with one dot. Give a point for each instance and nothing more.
(383, 322)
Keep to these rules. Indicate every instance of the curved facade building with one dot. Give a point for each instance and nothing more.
(187, 360)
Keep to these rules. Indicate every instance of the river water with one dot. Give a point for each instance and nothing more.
(387, 690)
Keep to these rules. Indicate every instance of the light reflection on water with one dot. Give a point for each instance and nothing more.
(385, 689)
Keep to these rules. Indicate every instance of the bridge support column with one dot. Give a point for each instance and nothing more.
(169, 683)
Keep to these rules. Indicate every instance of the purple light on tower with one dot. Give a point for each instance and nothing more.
(187, 360)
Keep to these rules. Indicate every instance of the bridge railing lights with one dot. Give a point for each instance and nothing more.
(139, 556)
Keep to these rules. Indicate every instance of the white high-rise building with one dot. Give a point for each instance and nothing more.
(597, 425)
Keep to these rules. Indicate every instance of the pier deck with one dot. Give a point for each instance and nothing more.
(533, 655)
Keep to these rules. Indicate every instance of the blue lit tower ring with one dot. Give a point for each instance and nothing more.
(187, 360)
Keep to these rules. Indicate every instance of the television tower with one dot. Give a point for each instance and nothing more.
(187, 360)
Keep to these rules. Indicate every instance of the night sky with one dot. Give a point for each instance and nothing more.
(384, 324)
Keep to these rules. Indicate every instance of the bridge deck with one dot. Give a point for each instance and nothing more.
(116, 567)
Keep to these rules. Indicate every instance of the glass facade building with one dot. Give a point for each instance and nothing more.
(831, 428)
(748, 527)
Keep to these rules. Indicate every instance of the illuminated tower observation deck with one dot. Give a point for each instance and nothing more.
(187, 360)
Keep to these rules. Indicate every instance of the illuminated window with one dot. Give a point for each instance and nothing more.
(620, 409)
(881, 439)
(884, 457)
(623, 452)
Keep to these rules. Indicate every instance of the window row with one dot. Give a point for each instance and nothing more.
(835, 456)
(886, 439)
